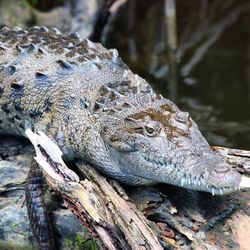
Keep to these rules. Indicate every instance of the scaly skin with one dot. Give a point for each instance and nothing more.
(88, 101)
(38, 216)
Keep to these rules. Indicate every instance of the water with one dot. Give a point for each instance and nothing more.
(216, 88)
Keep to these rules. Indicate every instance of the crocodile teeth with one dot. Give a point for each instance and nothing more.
(213, 191)
(203, 181)
(182, 181)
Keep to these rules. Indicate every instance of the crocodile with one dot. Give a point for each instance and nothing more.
(87, 100)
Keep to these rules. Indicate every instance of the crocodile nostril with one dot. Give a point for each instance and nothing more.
(221, 168)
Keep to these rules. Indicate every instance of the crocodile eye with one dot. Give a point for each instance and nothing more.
(150, 131)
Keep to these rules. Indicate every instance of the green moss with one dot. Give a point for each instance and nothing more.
(13, 246)
(68, 244)
(82, 243)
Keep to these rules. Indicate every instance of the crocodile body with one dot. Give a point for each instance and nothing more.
(88, 101)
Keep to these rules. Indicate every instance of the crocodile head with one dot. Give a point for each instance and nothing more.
(160, 143)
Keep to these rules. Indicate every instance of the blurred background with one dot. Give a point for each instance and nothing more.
(196, 52)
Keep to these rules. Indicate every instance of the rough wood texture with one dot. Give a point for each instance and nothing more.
(185, 220)
(102, 209)
(236, 158)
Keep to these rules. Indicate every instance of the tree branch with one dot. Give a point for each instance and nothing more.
(108, 215)
(115, 222)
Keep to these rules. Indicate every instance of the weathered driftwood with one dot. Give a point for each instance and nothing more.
(237, 158)
(111, 217)
(102, 209)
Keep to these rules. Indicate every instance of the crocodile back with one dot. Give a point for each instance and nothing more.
(44, 73)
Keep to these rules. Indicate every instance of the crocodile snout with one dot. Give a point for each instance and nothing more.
(222, 176)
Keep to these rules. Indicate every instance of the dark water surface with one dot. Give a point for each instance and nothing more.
(212, 60)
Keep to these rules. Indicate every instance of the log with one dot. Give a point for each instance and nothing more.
(236, 158)
(171, 218)
(103, 210)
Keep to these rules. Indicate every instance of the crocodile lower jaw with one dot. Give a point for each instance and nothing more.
(195, 182)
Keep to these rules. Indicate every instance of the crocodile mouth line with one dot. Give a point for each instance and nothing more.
(188, 181)
(200, 184)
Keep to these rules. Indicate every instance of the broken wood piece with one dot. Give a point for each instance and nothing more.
(238, 159)
(235, 158)
(105, 212)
